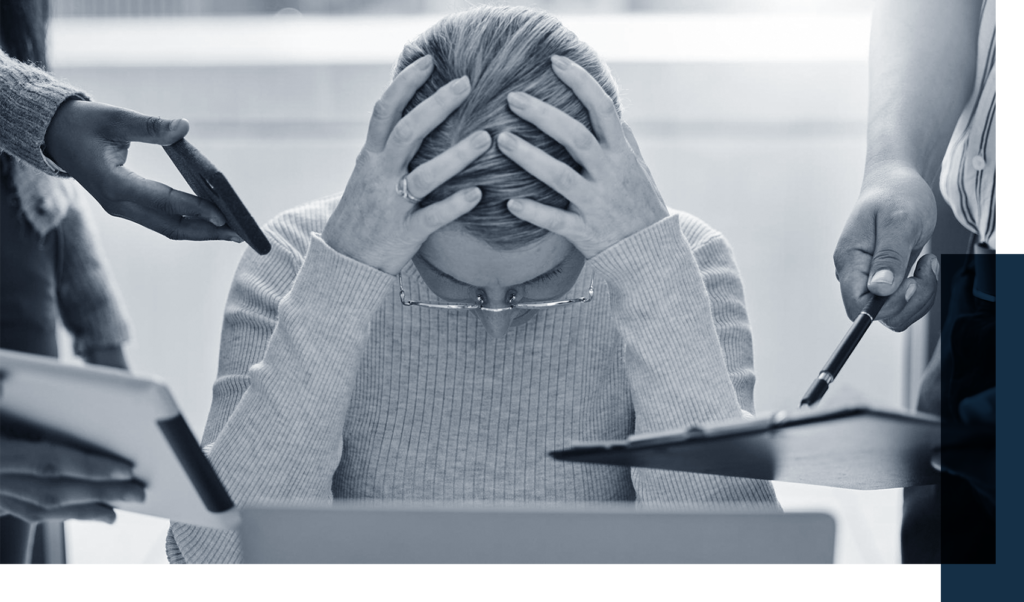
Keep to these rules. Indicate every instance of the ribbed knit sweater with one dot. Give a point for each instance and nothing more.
(329, 388)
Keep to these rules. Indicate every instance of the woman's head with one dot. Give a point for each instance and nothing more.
(502, 50)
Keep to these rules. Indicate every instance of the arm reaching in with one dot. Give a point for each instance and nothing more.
(55, 128)
(922, 67)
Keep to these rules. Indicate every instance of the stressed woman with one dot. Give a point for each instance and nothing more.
(499, 278)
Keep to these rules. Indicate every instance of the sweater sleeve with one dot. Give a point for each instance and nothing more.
(294, 329)
(678, 304)
(29, 97)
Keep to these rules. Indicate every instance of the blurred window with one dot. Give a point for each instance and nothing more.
(194, 8)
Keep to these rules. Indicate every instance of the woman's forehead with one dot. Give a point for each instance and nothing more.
(471, 260)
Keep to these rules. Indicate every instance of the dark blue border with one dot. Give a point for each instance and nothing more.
(990, 582)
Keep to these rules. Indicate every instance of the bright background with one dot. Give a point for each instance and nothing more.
(753, 121)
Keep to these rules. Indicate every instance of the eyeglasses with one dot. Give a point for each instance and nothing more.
(479, 305)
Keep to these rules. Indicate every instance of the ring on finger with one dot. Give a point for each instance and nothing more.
(402, 188)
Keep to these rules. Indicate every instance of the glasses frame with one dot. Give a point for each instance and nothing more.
(480, 302)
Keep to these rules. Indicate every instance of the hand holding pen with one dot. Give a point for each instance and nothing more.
(842, 353)
(857, 289)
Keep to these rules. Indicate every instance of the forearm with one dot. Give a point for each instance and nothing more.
(289, 422)
(674, 359)
(921, 73)
(689, 354)
(283, 440)
(29, 97)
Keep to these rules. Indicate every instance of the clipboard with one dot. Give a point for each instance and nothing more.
(111, 412)
(857, 447)
(209, 184)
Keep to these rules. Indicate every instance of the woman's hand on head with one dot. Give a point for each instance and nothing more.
(374, 223)
(42, 481)
(615, 196)
(89, 140)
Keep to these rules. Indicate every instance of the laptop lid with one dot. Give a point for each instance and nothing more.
(469, 534)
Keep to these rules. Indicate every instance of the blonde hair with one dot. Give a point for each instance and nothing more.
(501, 49)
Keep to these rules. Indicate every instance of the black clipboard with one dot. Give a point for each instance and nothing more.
(852, 448)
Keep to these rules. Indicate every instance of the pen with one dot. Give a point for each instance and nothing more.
(842, 353)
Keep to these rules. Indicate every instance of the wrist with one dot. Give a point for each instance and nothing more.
(53, 140)
(895, 175)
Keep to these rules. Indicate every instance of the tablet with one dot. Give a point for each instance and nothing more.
(109, 411)
(851, 448)
(210, 184)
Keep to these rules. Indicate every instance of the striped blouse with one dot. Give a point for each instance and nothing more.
(968, 180)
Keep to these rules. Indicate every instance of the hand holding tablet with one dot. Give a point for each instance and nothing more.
(42, 481)
(108, 434)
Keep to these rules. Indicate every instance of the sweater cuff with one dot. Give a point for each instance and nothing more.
(30, 97)
(337, 284)
(643, 258)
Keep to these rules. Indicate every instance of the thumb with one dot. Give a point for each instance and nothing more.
(892, 255)
(135, 127)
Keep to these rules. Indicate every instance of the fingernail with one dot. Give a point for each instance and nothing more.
(177, 123)
(236, 238)
(474, 195)
(560, 61)
(518, 100)
(461, 84)
(121, 473)
(217, 220)
(935, 267)
(513, 204)
(134, 495)
(911, 290)
(425, 62)
(110, 518)
(881, 277)
(507, 140)
(481, 139)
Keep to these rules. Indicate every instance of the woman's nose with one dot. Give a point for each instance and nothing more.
(496, 323)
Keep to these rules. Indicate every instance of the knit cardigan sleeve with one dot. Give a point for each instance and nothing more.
(676, 293)
(29, 97)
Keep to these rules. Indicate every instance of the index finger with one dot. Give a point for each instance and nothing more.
(388, 110)
(46, 459)
(603, 116)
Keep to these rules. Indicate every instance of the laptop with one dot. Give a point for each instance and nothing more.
(394, 533)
